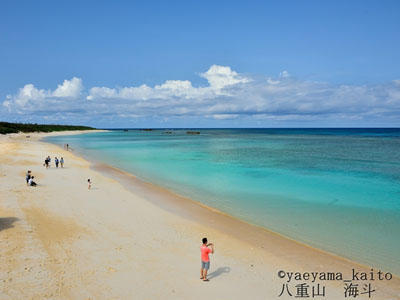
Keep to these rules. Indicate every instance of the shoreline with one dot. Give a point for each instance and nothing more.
(127, 237)
(256, 235)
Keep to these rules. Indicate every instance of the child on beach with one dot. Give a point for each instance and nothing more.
(205, 260)
(56, 161)
(62, 162)
(89, 184)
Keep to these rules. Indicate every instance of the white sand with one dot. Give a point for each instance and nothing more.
(62, 241)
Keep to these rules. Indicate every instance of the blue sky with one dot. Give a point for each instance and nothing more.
(201, 63)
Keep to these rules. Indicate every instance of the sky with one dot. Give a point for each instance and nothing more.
(114, 64)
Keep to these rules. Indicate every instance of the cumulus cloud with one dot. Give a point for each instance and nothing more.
(219, 77)
(30, 98)
(219, 80)
(70, 88)
(26, 94)
(228, 95)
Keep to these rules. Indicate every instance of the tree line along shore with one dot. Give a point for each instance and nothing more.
(6, 127)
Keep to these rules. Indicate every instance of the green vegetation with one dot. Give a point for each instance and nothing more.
(6, 127)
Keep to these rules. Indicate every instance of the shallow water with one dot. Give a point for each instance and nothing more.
(335, 189)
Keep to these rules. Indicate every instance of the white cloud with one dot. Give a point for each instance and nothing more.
(101, 92)
(228, 95)
(31, 99)
(219, 77)
(70, 88)
(224, 116)
(26, 94)
(273, 82)
(284, 74)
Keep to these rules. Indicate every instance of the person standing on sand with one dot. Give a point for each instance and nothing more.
(205, 260)
(62, 162)
(56, 161)
(89, 184)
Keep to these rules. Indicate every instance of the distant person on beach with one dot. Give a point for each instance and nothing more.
(56, 161)
(31, 182)
(89, 184)
(67, 146)
(205, 250)
(28, 176)
(46, 162)
(62, 162)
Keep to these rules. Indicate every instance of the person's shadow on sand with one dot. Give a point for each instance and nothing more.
(6, 223)
(218, 272)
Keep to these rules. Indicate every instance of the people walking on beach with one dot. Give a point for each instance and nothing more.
(62, 162)
(31, 182)
(89, 184)
(46, 162)
(28, 176)
(205, 250)
(56, 161)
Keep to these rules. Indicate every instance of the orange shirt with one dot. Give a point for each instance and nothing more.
(204, 253)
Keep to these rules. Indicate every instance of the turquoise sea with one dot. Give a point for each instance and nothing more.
(334, 189)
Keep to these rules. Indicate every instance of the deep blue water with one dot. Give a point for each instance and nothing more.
(335, 189)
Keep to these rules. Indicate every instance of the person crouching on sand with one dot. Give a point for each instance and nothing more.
(205, 260)
(31, 182)
(28, 176)
(89, 184)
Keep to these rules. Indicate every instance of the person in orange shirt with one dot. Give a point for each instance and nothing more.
(205, 249)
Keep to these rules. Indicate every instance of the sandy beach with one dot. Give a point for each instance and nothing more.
(128, 239)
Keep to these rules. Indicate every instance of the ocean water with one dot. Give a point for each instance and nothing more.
(334, 189)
